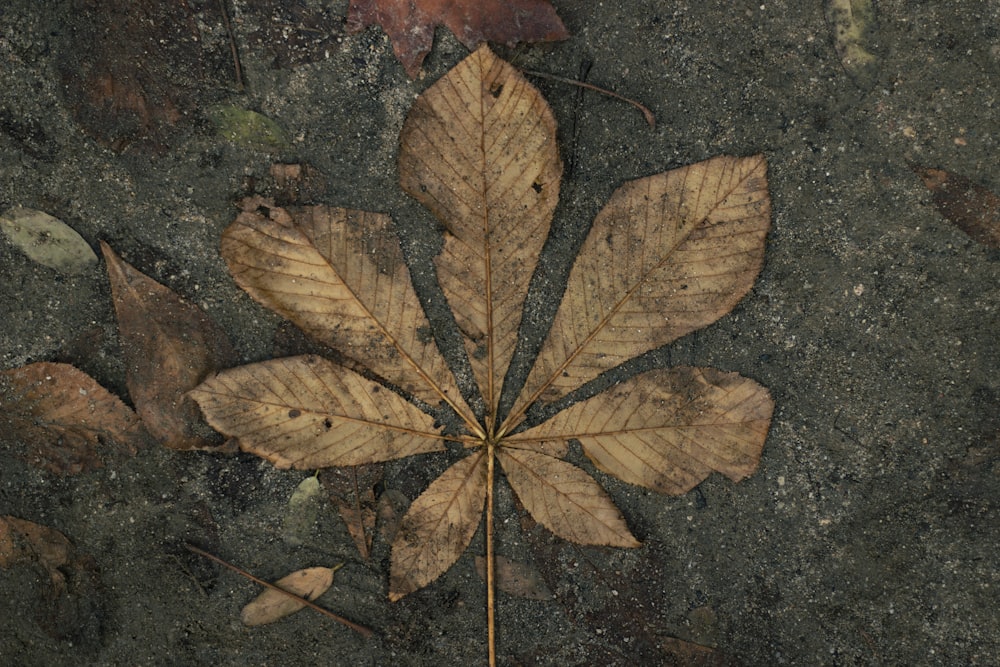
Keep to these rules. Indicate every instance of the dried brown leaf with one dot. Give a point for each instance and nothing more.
(339, 275)
(410, 24)
(970, 207)
(564, 499)
(668, 429)
(27, 543)
(271, 605)
(170, 346)
(478, 149)
(668, 254)
(58, 418)
(307, 413)
(439, 526)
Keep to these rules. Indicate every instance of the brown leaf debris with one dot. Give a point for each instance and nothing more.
(60, 419)
(170, 346)
(970, 207)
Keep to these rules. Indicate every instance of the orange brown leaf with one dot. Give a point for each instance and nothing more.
(60, 419)
(170, 346)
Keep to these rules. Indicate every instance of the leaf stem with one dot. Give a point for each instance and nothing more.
(490, 607)
(647, 114)
(362, 630)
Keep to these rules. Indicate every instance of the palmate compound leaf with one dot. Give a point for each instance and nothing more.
(669, 254)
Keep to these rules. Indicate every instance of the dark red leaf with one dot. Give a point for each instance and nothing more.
(410, 24)
(970, 207)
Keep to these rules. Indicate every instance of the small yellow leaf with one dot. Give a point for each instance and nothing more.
(302, 511)
(438, 526)
(853, 26)
(247, 128)
(271, 605)
(565, 499)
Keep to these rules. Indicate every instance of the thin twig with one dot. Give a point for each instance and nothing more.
(650, 118)
(326, 612)
(232, 44)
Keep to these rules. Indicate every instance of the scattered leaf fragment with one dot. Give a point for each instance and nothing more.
(170, 345)
(517, 579)
(681, 652)
(352, 489)
(970, 207)
(47, 240)
(410, 24)
(132, 68)
(853, 26)
(59, 418)
(303, 508)
(25, 542)
(392, 506)
(65, 608)
(271, 605)
(247, 128)
(297, 183)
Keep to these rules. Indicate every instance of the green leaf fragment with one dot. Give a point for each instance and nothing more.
(303, 509)
(247, 128)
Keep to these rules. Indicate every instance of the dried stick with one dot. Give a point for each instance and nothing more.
(362, 630)
(232, 44)
(650, 118)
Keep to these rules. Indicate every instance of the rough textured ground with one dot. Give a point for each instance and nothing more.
(869, 534)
